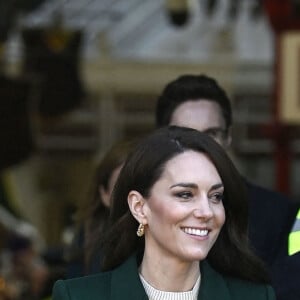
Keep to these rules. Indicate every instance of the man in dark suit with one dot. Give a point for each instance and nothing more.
(197, 101)
(286, 270)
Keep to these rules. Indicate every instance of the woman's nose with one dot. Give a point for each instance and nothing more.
(203, 209)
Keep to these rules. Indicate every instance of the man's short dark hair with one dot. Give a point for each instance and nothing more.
(190, 88)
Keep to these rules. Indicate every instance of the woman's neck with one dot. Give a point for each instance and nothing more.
(169, 274)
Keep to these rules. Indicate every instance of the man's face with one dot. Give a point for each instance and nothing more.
(205, 116)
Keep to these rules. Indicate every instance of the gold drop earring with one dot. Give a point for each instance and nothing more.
(141, 230)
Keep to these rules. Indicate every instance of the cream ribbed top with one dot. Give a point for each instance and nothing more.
(155, 294)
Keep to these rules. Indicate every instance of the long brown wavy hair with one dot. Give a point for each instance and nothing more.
(231, 254)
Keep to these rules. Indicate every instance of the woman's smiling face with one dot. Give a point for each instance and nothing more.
(184, 212)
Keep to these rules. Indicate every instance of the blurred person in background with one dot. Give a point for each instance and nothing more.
(199, 102)
(84, 253)
(23, 272)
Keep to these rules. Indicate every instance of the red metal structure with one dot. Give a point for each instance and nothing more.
(283, 16)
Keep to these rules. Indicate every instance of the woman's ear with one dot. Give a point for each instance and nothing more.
(136, 205)
(228, 139)
(104, 196)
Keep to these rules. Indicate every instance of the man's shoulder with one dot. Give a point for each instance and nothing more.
(265, 195)
(266, 192)
(267, 199)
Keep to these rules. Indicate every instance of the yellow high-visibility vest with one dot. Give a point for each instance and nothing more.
(294, 236)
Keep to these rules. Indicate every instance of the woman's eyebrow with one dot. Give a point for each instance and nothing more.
(195, 186)
(217, 186)
(184, 184)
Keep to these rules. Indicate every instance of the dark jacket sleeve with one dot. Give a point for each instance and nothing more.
(286, 278)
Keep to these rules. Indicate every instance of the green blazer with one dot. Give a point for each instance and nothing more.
(124, 283)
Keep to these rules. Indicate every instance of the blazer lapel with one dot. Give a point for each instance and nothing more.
(212, 286)
(126, 284)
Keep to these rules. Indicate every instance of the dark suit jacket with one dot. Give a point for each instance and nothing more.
(124, 283)
(286, 277)
(271, 217)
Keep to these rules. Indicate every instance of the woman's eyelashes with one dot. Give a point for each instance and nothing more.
(184, 195)
(216, 197)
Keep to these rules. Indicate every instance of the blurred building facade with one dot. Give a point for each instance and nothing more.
(128, 51)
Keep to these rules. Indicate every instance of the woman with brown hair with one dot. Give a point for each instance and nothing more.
(178, 227)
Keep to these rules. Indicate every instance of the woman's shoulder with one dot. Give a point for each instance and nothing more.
(120, 283)
(233, 288)
(82, 287)
(249, 290)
